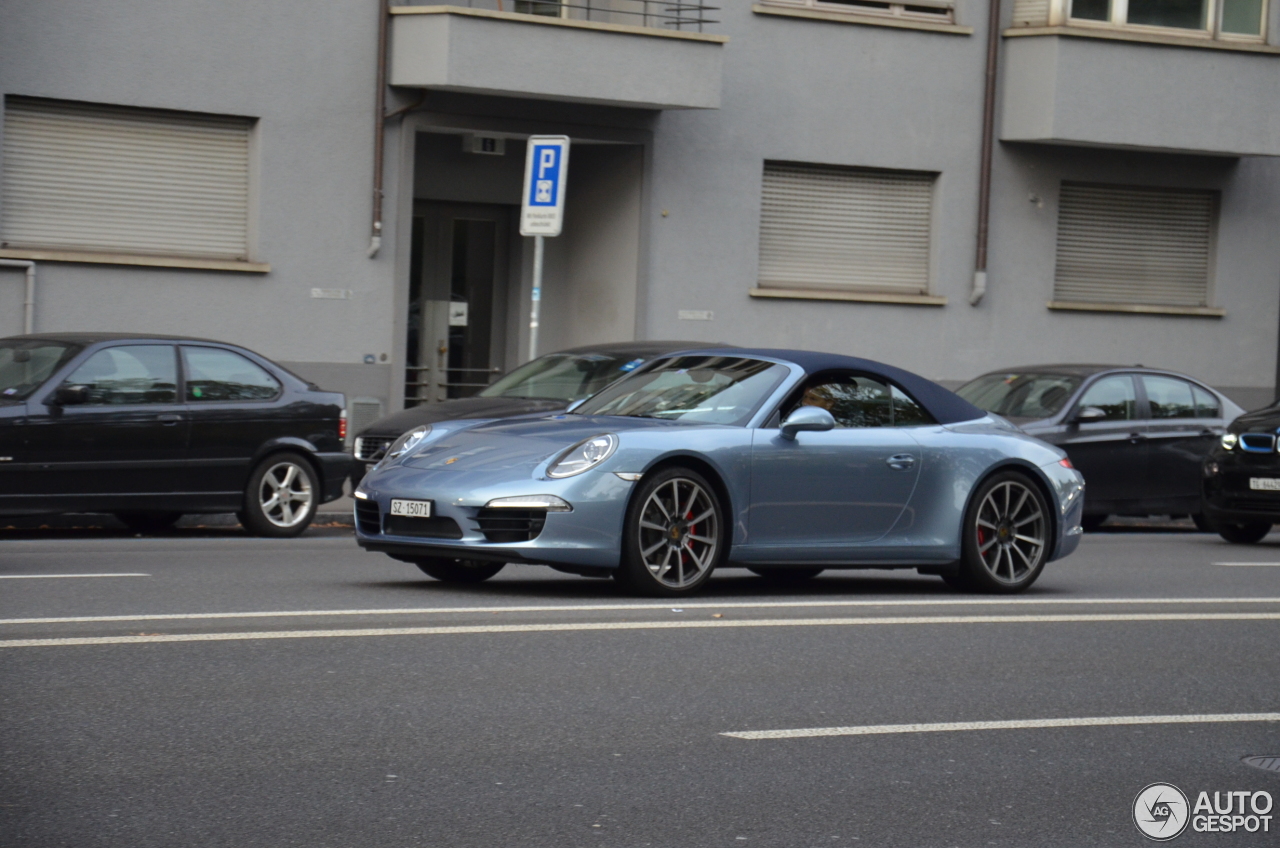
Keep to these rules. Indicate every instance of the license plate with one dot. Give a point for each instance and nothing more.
(1264, 484)
(411, 509)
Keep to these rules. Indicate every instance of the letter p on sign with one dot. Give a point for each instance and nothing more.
(546, 166)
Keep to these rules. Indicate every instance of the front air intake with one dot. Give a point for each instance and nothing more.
(505, 526)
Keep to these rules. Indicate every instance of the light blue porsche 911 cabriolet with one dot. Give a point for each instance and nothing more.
(783, 462)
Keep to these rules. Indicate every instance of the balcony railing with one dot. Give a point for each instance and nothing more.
(655, 14)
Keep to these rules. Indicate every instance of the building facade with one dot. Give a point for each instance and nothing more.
(785, 173)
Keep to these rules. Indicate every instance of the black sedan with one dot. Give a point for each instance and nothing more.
(1137, 434)
(1242, 478)
(151, 427)
(547, 384)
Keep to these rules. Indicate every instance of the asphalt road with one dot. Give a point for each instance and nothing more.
(241, 692)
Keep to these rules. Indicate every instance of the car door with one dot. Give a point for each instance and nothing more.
(128, 437)
(231, 401)
(829, 491)
(1185, 422)
(1111, 452)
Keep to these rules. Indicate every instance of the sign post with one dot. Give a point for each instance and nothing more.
(542, 210)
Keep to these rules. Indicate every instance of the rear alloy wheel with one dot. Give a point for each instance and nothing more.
(673, 537)
(148, 522)
(1006, 535)
(281, 497)
(787, 576)
(1247, 533)
(459, 570)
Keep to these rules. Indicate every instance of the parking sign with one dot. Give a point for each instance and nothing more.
(545, 167)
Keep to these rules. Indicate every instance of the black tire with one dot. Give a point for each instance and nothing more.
(1093, 523)
(148, 522)
(287, 516)
(1246, 533)
(459, 570)
(787, 576)
(673, 555)
(1203, 524)
(1007, 532)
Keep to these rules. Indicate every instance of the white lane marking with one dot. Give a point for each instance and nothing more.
(586, 626)
(197, 616)
(47, 576)
(1248, 564)
(1103, 721)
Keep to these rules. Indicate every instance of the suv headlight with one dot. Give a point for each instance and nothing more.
(1229, 441)
(584, 456)
(408, 441)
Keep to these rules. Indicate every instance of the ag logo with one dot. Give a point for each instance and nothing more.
(1160, 811)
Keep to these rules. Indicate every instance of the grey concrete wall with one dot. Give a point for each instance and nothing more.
(866, 96)
(307, 75)
(554, 61)
(1093, 91)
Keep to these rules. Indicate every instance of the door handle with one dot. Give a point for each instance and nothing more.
(900, 461)
(169, 420)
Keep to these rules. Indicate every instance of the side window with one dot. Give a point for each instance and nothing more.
(1168, 397)
(1115, 396)
(130, 374)
(216, 374)
(907, 412)
(852, 401)
(1207, 405)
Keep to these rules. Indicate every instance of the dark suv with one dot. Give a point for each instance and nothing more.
(1242, 478)
(150, 427)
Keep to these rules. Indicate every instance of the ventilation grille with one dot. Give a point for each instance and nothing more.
(511, 525)
(371, 448)
(368, 517)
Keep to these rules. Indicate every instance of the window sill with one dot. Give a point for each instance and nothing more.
(862, 20)
(1142, 38)
(858, 297)
(136, 259)
(1139, 309)
(545, 20)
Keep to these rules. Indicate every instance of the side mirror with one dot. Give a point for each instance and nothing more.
(807, 418)
(1087, 414)
(577, 403)
(71, 395)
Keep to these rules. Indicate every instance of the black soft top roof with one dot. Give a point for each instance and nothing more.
(945, 406)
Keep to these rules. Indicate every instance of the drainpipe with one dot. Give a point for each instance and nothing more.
(988, 136)
(29, 302)
(379, 131)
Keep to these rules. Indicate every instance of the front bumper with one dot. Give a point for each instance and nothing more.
(590, 536)
(1227, 497)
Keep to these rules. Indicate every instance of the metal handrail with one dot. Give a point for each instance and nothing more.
(677, 14)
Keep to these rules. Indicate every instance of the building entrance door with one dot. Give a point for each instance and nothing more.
(457, 299)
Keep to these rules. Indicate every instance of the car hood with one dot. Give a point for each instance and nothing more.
(1258, 421)
(520, 446)
(453, 410)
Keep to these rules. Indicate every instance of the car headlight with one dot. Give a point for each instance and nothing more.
(1229, 441)
(584, 456)
(408, 441)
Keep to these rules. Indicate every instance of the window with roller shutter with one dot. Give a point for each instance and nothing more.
(1136, 246)
(99, 178)
(826, 228)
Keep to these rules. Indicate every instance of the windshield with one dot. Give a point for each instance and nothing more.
(563, 376)
(26, 363)
(1020, 395)
(705, 389)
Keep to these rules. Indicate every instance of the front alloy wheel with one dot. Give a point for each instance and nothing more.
(673, 538)
(1007, 534)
